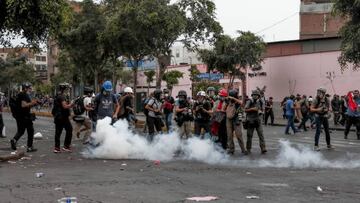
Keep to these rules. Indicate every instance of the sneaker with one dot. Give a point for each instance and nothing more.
(57, 150)
(345, 137)
(13, 144)
(67, 149)
(330, 147)
(31, 149)
(316, 148)
(230, 153)
(263, 151)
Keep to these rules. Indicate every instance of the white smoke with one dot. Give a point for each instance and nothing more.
(118, 142)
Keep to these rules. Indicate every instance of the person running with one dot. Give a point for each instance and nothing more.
(61, 113)
(24, 118)
(84, 119)
(234, 122)
(253, 121)
(320, 107)
(353, 114)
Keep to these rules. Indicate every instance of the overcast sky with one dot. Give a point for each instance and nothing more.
(256, 15)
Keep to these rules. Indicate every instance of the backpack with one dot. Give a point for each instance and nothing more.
(304, 109)
(79, 107)
(15, 107)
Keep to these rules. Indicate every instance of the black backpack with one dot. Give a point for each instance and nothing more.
(15, 106)
(79, 107)
(144, 103)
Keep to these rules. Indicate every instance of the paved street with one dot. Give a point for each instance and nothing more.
(143, 181)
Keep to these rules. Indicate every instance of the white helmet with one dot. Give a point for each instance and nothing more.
(128, 90)
(201, 93)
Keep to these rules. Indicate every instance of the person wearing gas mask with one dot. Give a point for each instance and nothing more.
(202, 110)
(211, 95)
(106, 104)
(24, 118)
(126, 106)
(234, 114)
(320, 107)
(154, 120)
(184, 115)
(353, 115)
(168, 108)
(218, 126)
(253, 121)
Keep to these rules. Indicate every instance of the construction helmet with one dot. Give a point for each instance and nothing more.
(107, 86)
(128, 90)
(201, 93)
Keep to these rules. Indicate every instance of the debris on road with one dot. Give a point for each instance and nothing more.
(38, 136)
(12, 162)
(123, 164)
(202, 199)
(58, 188)
(12, 156)
(248, 173)
(26, 158)
(319, 189)
(67, 200)
(252, 197)
(157, 162)
(39, 175)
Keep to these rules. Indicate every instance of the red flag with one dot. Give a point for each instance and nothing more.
(351, 103)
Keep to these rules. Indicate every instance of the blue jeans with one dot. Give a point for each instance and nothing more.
(168, 121)
(319, 120)
(290, 124)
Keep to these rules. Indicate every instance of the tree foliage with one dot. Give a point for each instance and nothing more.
(33, 20)
(233, 56)
(172, 78)
(350, 32)
(149, 78)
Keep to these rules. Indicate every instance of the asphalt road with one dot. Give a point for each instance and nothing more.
(98, 180)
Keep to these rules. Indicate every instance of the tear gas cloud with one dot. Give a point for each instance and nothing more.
(118, 142)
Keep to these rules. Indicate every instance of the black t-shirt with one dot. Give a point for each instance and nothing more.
(59, 100)
(127, 102)
(201, 115)
(24, 112)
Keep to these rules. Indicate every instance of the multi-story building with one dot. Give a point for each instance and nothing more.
(317, 21)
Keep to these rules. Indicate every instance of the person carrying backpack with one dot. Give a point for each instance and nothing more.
(304, 108)
(81, 109)
(24, 119)
(154, 120)
(61, 114)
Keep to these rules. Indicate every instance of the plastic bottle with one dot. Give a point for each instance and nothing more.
(67, 200)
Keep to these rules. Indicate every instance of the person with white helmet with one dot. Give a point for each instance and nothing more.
(321, 106)
(203, 112)
(126, 106)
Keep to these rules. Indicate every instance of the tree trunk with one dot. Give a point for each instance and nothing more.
(135, 70)
(244, 85)
(163, 61)
(96, 82)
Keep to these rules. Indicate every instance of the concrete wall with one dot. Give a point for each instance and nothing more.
(303, 74)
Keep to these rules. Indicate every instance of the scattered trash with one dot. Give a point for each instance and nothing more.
(58, 188)
(105, 161)
(12, 162)
(43, 155)
(38, 136)
(123, 164)
(248, 173)
(39, 175)
(25, 158)
(319, 189)
(13, 153)
(202, 199)
(141, 170)
(157, 162)
(252, 197)
(67, 200)
(274, 184)
(122, 169)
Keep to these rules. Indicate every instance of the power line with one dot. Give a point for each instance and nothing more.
(277, 23)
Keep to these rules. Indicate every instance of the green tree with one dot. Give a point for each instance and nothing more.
(233, 56)
(33, 20)
(149, 78)
(350, 32)
(172, 78)
(81, 41)
(14, 71)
